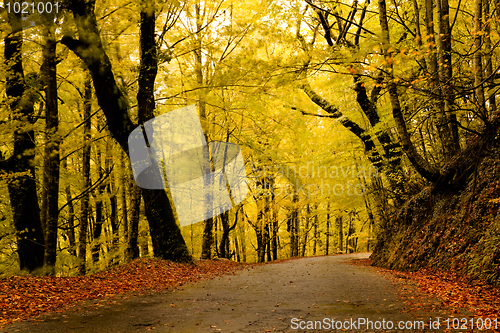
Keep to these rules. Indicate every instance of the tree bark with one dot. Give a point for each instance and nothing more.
(135, 205)
(488, 66)
(166, 235)
(452, 141)
(315, 233)
(421, 165)
(124, 193)
(370, 148)
(85, 209)
(327, 234)
(293, 226)
(51, 168)
(71, 222)
(22, 186)
(99, 218)
(478, 59)
(340, 225)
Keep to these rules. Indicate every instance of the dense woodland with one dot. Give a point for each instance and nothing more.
(344, 111)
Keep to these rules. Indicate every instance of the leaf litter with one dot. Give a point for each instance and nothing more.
(447, 294)
(23, 297)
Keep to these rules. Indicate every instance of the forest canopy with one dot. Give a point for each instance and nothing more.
(343, 110)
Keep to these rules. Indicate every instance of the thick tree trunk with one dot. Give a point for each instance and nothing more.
(446, 74)
(438, 80)
(85, 210)
(166, 235)
(51, 168)
(224, 240)
(22, 187)
(421, 165)
(206, 245)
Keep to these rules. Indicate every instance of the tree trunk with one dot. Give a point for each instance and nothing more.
(51, 168)
(340, 225)
(166, 235)
(327, 229)
(446, 74)
(135, 209)
(259, 232)
(488, 66)
(243, 235)
(478, 59)
(85, 211)
(306, 231)
(267, 240)
(237, 248)
(421, 165)
(71, 217)
(123, 193)
(293, 226)
(206, 245)
(274, 239)
(315, 230)
(97, 230)
(113, 200)
(224, 240)
(208, 237)
(22, 187)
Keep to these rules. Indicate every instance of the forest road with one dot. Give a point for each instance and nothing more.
(279, 297)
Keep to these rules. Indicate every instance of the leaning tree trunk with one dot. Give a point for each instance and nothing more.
(166, 234)
(22, 186)
(422, 166)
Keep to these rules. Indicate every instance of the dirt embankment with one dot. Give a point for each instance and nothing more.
(456, 229)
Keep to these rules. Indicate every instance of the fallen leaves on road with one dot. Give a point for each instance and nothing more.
(456, 292)
(23, 297)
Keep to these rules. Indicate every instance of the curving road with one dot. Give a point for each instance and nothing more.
(290, 296)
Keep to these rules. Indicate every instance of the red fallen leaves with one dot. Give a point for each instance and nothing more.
(459, 291)
(22, 297)
(455, 291)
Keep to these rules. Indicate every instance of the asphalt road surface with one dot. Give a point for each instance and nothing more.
(317, 294)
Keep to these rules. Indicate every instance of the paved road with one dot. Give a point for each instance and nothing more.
(275, 297)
